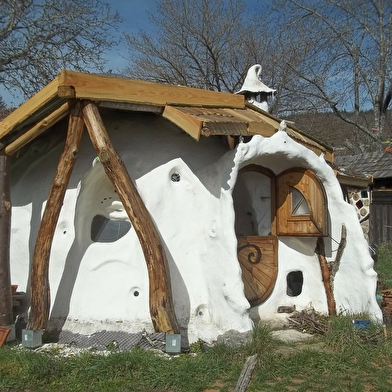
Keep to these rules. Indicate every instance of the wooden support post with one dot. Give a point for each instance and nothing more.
(326, 275)
(5, 232)
(161, 301)
(39, 288)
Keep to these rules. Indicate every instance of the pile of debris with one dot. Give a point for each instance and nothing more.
(309, 321)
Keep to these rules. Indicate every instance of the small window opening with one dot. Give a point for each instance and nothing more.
(295, 280)
(107, 230)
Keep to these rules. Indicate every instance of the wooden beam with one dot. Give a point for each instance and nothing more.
(161, 301)
(6, 317)
(30, 107)
(37, 129)
(187, 123)
(39, 277)
(109, 88)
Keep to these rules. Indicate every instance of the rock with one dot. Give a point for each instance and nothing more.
(235, 338)
(291, 335)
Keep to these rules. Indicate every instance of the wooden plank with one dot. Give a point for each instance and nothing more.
(39, 277)
(259, 274)
(161, 301)
(189, 124)
(29, 107)
(37, 129)
(246, 374)
(4, 332)
(109, 88)
(206, 121)
(263, 128)
(225, 128)
(6, 317)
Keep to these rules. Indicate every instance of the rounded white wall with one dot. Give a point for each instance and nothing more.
(97, 286)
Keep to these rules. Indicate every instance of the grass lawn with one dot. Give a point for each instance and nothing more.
(344, 359)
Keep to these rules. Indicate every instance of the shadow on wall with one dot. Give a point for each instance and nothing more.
(105, 275)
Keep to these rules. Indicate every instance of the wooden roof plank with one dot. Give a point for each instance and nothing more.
(37, 129)
(109, 88)
(27, 109)
(224, 128)
(189, 124)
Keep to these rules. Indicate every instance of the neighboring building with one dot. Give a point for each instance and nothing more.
(373, 202)
(182, 233)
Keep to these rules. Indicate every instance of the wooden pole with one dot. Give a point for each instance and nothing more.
(6, 317)
(326, 275)
(39, 288)
(161, 301)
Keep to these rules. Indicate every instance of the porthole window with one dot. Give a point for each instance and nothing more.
(295, 281)
(108, 230)
(175, 177)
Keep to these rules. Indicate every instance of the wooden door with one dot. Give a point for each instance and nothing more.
(254, 205)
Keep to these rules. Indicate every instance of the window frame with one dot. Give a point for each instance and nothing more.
(313, 224)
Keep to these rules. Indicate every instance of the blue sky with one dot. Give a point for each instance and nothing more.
(134, 13)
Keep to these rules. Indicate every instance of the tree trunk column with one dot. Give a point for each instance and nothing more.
(160, 296)
(39, 277)
(6, 317)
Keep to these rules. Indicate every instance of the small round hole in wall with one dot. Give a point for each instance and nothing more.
(175, 177)
(295, 281)
(136, 293)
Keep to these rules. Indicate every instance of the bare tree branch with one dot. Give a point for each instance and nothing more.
(39, 38)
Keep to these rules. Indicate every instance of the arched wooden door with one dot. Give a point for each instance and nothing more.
(255, 226)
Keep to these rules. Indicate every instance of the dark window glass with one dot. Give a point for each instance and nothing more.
(295, 280)
(107, 230)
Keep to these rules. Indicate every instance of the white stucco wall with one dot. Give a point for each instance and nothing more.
(97, 286)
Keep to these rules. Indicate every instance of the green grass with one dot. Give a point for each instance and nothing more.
(346, 359)
(383, 266)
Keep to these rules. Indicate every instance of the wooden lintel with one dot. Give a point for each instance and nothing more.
(37, 129)
(161, 301)
(39, 276)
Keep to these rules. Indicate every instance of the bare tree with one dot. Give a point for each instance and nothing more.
(202, 43)
(347, 60)
(39, 38)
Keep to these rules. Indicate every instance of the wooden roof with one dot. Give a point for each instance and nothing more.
(198, 112)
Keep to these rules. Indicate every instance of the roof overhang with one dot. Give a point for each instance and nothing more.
(358, 182)
(198, 112)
